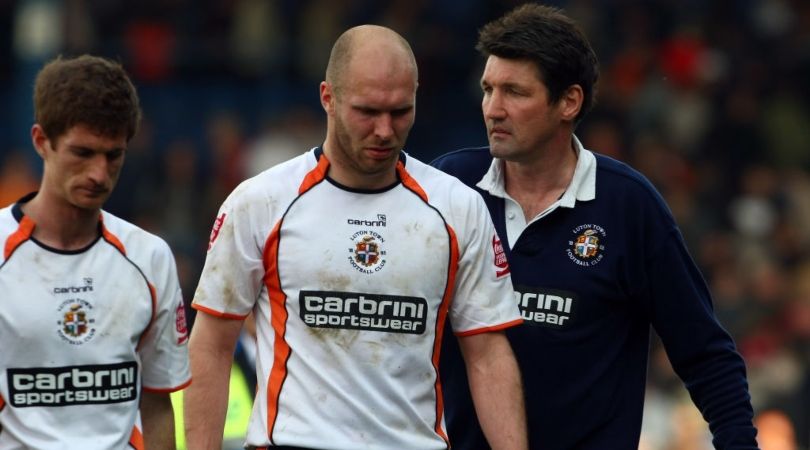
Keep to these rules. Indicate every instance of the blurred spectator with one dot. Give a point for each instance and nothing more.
(17, 177)
(775, 431)
(710, 100)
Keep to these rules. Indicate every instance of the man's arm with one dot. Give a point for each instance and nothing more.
(496, 389)
(205, 401)
(157, 416)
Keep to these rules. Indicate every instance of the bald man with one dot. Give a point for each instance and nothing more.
(351, 256)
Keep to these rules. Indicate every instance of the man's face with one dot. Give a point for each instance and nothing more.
(81, 166)
(372, 113)
(517, 113)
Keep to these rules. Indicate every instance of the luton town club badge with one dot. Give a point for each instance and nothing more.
(587, 247)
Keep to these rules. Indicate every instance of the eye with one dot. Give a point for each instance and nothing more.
(115, 154)
(401, 112)
(367, 111)
(82, 152)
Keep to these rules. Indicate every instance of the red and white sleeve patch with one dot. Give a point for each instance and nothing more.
(180, 325)
(215, 230)
(501, 264)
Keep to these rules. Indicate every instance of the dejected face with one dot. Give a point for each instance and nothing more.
(371, 115)
(81, 167)
(517, 113)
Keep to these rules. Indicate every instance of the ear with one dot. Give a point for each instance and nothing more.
(571, 102)
(41, 142)
(327, 98)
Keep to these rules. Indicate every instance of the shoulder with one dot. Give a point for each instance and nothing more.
(8, 225)
(7, 222)
(283, 177)
(455, 200)
(436, 182)
(613, 174)
(136, 243)
(468, 164)
(624, 185)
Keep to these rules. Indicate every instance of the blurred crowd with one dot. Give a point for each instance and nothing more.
(710, 100)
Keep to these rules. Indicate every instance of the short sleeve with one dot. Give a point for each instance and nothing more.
(231, 279)
(484, 296)
(164, 347)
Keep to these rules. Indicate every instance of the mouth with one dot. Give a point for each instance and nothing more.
(498, 132)
(95, 192)
(380, 152)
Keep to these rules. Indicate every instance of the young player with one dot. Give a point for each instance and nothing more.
(91, 317)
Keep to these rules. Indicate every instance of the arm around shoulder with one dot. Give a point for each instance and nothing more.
(496, 389)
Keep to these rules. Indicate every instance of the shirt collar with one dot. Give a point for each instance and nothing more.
(582, 186)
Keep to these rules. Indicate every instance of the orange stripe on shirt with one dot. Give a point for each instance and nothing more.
(413, 185)
(278, 303)
(443, 309)
(500, 327)
(278, 320)
(315, 175)
(409, 182)
(136, 439)
(111, 238)
(2, 402)
(23, 233)
(168, 390)
(216, 313)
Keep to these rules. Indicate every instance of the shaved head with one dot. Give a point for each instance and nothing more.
(374, 42)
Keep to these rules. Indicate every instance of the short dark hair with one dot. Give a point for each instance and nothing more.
(87, 90)
(551, 40)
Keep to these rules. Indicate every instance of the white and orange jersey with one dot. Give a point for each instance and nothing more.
(82, 333)
(351, 290)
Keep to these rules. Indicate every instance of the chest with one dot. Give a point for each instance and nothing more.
(389, 243)
(66, 305)
(574, 269)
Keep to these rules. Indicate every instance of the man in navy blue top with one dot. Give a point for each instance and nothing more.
(595, 254)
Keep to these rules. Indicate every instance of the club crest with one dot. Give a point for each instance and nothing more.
(367, 254)
(587, 247)
(76, 323)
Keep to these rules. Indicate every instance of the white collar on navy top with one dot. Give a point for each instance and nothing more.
(582, 187)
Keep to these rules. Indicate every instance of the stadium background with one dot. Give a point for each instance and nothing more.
(710, 100)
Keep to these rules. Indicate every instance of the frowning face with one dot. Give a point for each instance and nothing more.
(519, 118)
(81, 167)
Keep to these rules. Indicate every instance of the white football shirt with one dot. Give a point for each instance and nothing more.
(83, 332)
(351, 290)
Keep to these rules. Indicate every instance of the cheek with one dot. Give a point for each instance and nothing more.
(403, 124)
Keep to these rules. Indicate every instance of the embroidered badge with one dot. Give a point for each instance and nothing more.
(180, 323)
(215, 230)
(501, 264)
(367, 254)
(587, 247)
(76, 321)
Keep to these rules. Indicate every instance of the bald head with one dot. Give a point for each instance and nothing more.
(384, 46)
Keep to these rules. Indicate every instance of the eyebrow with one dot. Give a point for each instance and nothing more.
(93, 150)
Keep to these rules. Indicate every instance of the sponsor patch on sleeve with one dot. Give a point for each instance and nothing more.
(215, 230)
(501, 264)
(180, 327)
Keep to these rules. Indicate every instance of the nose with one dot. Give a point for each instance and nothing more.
(98, 169)
(492, 105)
(384, 127)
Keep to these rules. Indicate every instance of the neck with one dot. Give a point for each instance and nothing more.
(537, 183)
(344, 170)
(61, 225)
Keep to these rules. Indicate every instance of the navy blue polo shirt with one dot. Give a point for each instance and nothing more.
(591, 276)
